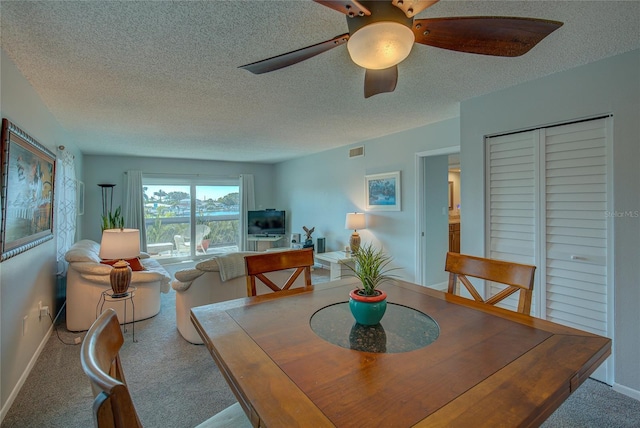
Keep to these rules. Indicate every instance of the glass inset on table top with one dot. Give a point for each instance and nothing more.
(402, 329)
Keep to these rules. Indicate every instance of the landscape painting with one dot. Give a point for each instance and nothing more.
(382, 192)
(28, 170)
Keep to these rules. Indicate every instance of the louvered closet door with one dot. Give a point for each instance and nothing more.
(576, 225)
(547, 198)
(512, 191)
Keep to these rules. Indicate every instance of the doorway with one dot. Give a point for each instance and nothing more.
(454, 202)
(433, 199)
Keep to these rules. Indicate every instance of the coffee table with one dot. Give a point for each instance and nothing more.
(337, 263)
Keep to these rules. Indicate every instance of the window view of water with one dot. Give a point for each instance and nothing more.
(170, 224)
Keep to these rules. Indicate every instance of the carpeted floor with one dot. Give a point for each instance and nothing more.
(176, 384)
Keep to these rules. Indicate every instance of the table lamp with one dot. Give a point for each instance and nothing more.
(354, 222)
(120, 244)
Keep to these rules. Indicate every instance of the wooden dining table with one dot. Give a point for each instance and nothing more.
(482, 366)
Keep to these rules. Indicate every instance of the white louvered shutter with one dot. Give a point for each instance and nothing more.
(547, 194)
(512, 166)
(576, 225)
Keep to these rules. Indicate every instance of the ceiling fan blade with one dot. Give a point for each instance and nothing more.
(350, 8)
(294, 57)
(379, 81)
(413, 7)
(486, 35)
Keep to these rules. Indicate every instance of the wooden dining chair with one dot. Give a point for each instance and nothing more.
(516, 277)
(113, 406)
(260, 264)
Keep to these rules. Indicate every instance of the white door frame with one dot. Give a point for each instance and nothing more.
(420, 207)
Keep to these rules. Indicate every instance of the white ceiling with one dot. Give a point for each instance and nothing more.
(160, 78)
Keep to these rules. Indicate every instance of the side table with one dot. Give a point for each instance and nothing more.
(337, 261)
(109, 296)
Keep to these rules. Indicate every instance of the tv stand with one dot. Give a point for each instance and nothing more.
(263, 242)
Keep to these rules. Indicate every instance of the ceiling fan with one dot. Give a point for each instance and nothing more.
(383, 32)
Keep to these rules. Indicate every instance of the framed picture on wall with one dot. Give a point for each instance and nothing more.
(382, 192)
(28, 175)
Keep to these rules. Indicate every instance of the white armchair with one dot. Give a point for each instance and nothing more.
(87, 278)
(181, 246)
(202, 230)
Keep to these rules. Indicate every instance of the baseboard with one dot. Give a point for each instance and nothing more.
(633, 393)
(27, 371)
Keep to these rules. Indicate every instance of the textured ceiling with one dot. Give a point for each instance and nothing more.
(161, 78)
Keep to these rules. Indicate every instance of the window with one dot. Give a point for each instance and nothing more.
(189, 218)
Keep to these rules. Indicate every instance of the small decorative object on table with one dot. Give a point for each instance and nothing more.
(308, 242)
(368, 304)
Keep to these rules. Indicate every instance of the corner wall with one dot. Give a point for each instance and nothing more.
(319, 190)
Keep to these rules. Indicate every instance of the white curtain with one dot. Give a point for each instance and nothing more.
(247, 203)
(134, 205)
(66, 205)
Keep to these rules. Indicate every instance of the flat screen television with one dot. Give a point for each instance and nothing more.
(266, 222)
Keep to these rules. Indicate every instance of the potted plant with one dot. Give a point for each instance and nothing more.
(113, 220)
(206, 239)
(368, 304)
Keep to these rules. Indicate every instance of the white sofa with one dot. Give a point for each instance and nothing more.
(87, 278)
(207, 283)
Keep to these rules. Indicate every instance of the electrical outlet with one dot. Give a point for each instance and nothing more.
(41, 310)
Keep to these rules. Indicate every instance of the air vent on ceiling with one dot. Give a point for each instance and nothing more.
(356, 152)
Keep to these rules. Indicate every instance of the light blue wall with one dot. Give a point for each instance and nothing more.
(607, 86)
(111, 169)
(318, 190)
(29, 277)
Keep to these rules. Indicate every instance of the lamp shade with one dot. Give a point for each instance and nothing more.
(380, 45)
(355, 221)
(120, 244)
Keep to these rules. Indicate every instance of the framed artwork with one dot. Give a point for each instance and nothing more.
(80, 197)
(382, 192)
(28, 173)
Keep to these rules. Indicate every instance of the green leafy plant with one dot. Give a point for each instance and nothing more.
(113, 220)
(371, 268)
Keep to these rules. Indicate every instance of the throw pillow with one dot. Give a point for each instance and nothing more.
(134, 264)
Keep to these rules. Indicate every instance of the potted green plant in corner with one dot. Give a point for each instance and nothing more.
(368, 304)
(113, 220)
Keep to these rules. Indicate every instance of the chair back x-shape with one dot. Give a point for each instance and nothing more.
(271, 261)
(517, 277)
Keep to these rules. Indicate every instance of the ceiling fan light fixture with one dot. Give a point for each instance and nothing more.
(380, 45)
